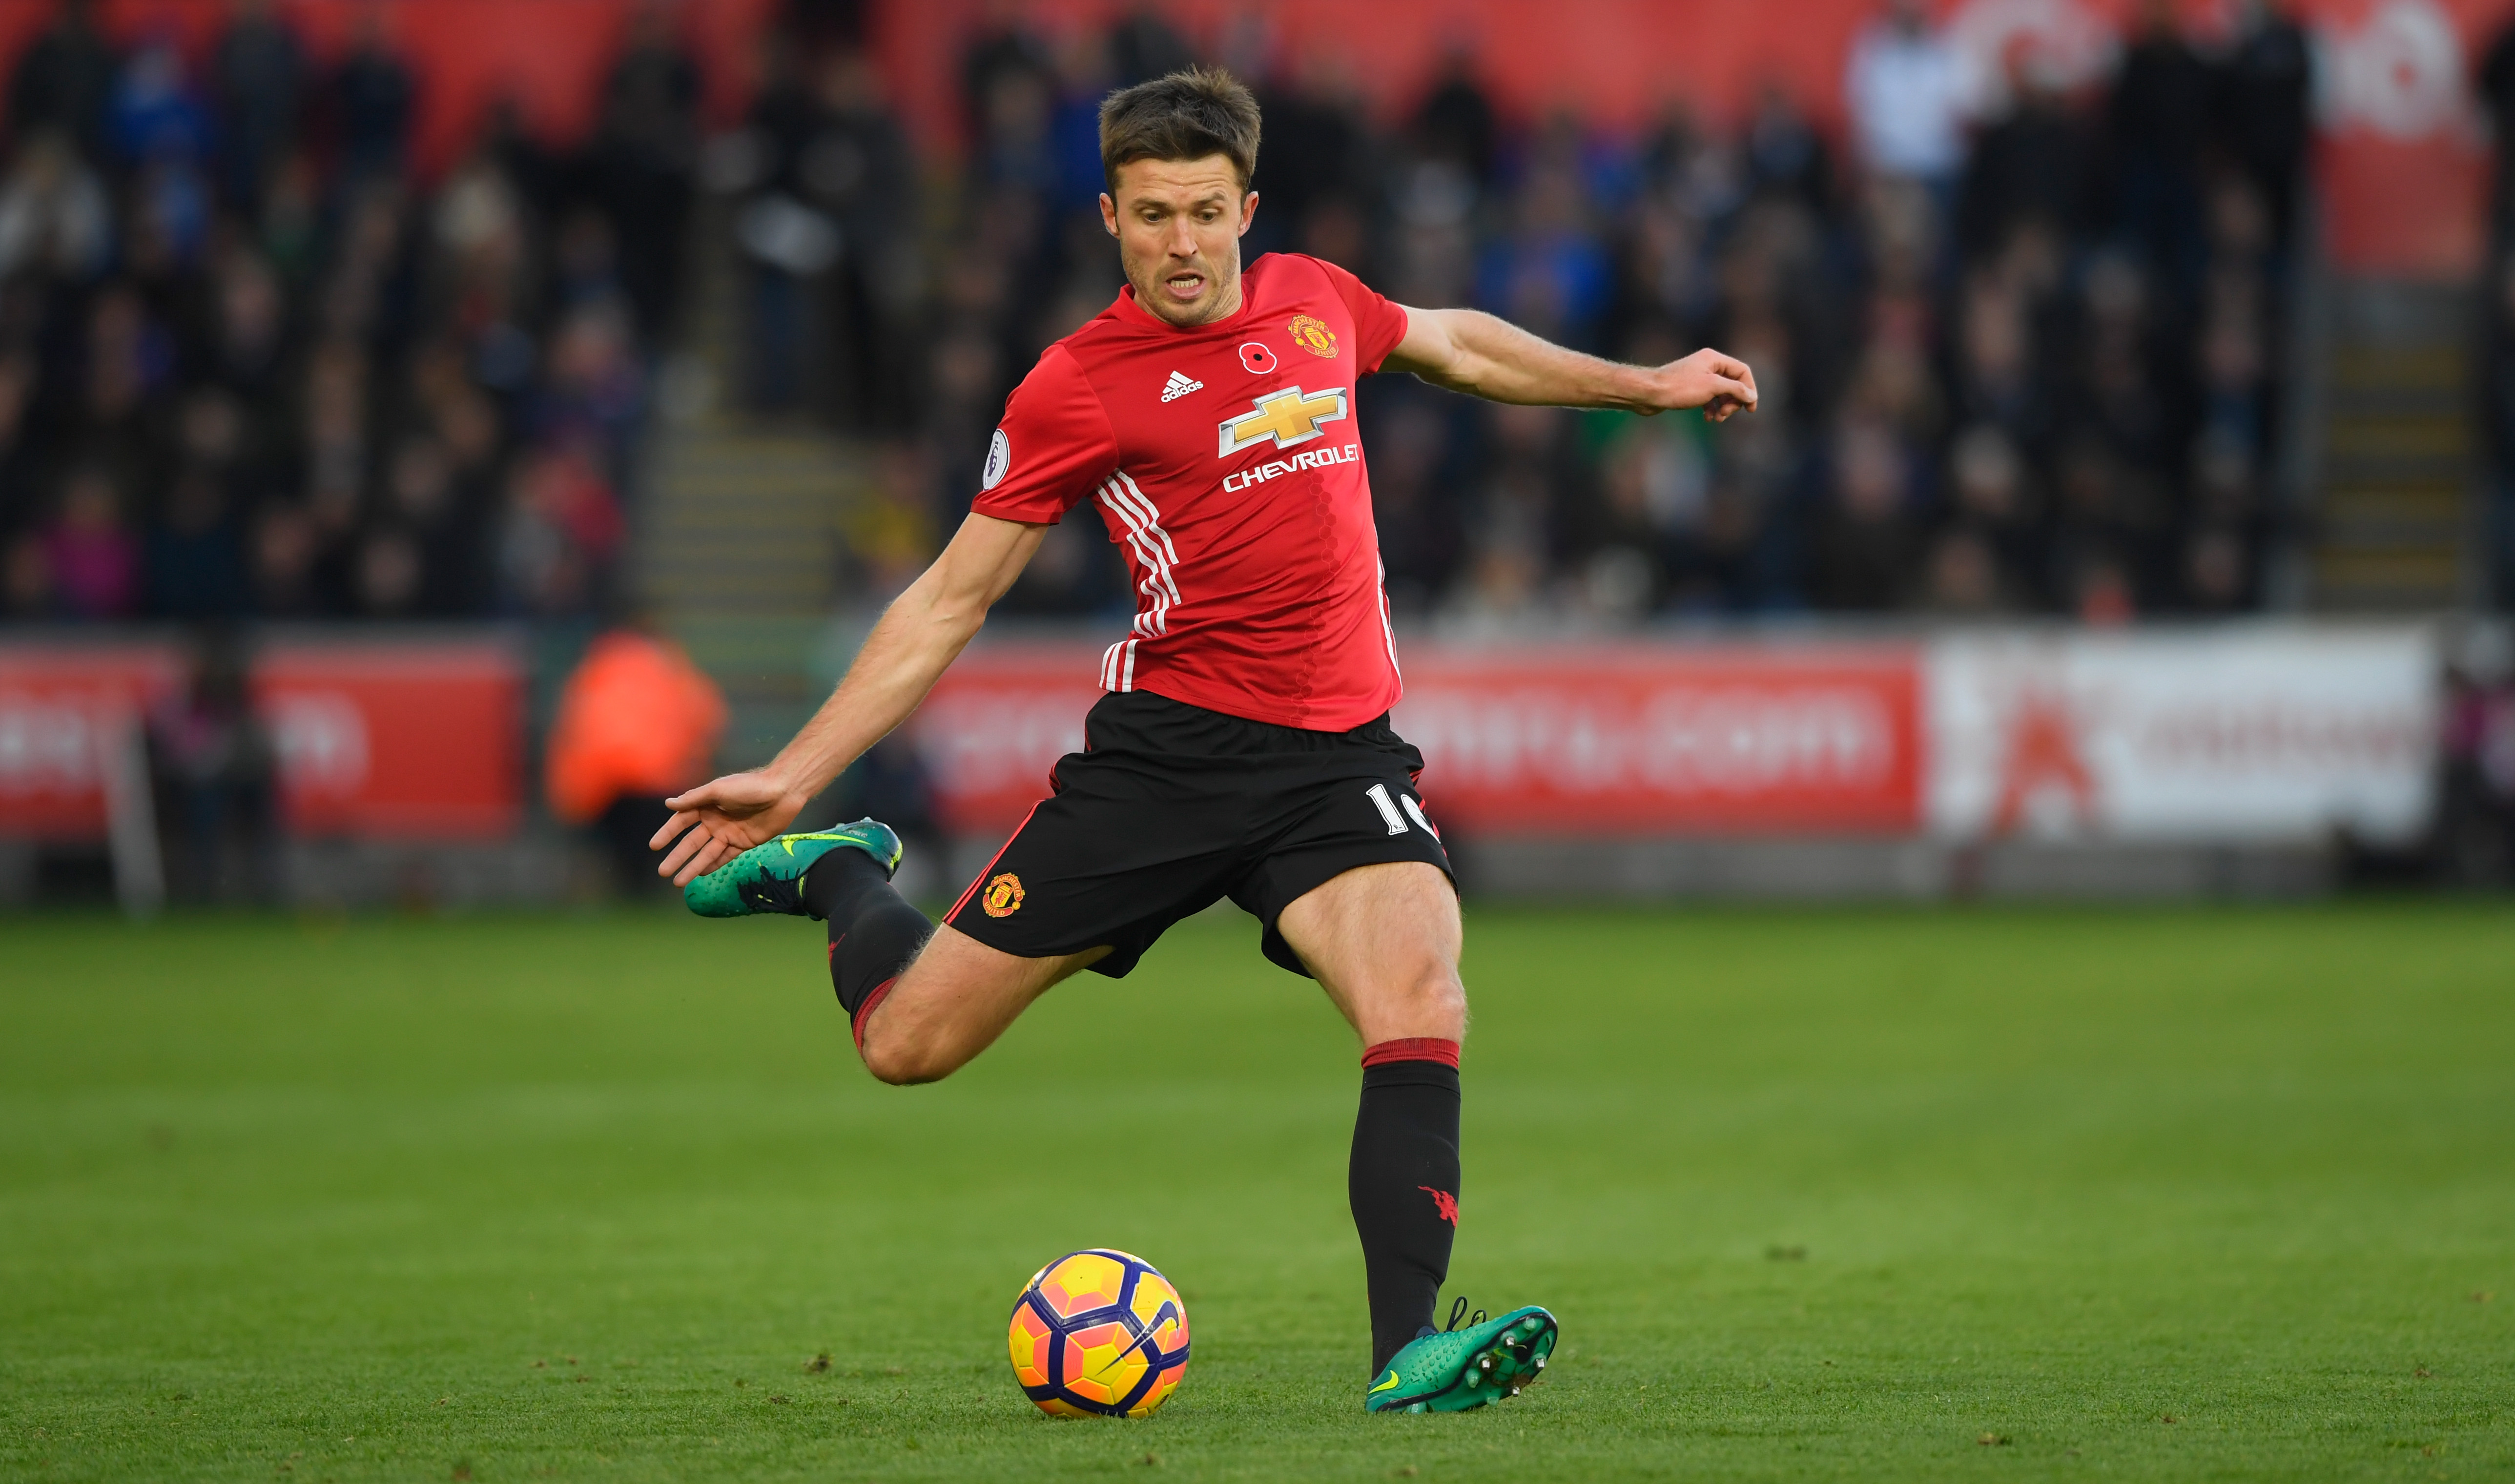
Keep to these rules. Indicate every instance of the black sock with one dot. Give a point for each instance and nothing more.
(1403, 1184)
(873, 929)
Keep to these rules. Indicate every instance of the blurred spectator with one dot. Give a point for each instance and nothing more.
(2034, 165)
(1865, 538)
(1321, 170)
(2265, 93)
(63, 81)
(1457, 124)
(593, 390)
(1550, 271)
(1002, 46)
(637, 722)
(258, 77)
(561, 526)
(1909, 94)
(213, 762)
(644, 156)
(1142, 47)
(19, 470)
(787, 242)
(370, 102)
(55, 219)
(891, 783)
(1784, 154)
(855, 168)
(2476, 804)
(196, 558)
(92, 563)
(2157, 116)
(1415, 461)
(152, 113)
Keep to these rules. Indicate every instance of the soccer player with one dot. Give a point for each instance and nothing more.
(1243, 746)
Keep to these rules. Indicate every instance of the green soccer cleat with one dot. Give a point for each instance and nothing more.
(769, 878)
(1454, 1370)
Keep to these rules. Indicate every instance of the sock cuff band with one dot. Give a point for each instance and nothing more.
(1413, 1049)
(864, 1011)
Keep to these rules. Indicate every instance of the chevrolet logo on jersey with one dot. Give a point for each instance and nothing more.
(1289, 417)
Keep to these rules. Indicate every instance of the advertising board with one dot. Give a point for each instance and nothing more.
(2242, 734)
(419, 739)
(1599, 739)
(2246, 734)
(65, 710)
(2238, 734)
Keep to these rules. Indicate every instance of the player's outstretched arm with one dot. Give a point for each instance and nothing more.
(1472, 352)
(920, 635)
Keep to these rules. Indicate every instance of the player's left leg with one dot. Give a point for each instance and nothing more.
(1383, 941)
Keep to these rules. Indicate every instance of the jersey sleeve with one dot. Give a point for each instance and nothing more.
(1378, 320)
(1052, 448)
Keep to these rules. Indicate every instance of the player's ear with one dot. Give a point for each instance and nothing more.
(1108, 213)
(1248, 211)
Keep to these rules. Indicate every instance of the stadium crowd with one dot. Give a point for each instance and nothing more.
(2018, 342)
(253, 364)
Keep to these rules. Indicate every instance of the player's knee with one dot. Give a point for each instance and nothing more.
(903, 1059)
(1447, 999)
(1433, 1002)
(901, 1066)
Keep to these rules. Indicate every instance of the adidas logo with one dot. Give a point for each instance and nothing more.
(1178, 386)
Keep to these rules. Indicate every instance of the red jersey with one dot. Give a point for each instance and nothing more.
(1226, 465)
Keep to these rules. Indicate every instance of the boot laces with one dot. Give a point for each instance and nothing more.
(1459, 1310)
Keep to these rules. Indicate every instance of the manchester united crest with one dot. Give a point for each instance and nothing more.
(1312, 334)
(1002, 896)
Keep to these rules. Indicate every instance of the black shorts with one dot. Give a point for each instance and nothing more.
(1171, 807)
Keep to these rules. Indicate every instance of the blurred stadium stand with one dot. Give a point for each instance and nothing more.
(401, 319)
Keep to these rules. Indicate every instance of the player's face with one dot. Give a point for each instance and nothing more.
(1179, 225)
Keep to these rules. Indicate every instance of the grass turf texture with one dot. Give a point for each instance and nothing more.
(1860, 1195)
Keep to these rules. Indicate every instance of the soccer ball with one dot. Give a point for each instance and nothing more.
(1098, 1333)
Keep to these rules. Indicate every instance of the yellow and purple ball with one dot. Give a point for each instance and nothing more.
(1098, 1333)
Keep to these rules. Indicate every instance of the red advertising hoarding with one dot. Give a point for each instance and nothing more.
(409, 741)
(406, 741)
(1721, 740)
(1585, 740)
(997, 723)
(62, 708)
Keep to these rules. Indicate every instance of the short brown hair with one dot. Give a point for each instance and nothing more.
(1184, 116)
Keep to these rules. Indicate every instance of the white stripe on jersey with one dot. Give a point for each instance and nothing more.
(1153, 550)
(1387, 629)
(1118, 666)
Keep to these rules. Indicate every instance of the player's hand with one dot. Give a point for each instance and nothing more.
(715, 822)
(1721, 385)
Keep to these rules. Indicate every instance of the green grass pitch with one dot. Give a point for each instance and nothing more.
(2223, 1194)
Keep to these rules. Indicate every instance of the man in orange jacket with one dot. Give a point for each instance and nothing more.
(637, 722)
